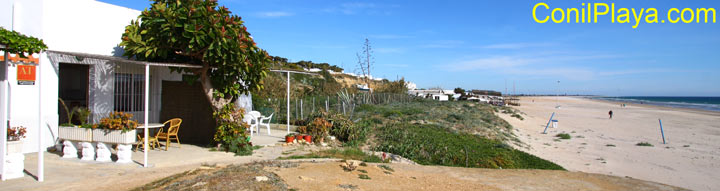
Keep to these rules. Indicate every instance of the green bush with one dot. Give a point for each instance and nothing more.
(348, 132)
(434, 145)
(645, 144)
(563, 136)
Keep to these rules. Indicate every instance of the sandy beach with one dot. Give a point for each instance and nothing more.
(690, 159)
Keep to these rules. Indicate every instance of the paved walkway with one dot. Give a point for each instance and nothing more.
(74, 174)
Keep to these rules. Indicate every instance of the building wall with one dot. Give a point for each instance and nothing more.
(85, 26)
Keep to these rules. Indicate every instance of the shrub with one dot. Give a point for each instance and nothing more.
(230, 134)
(515, 115)
(117, 121)
(318, 128)
(563, 136)
(645, 144)
(434, 145)
(348, 132)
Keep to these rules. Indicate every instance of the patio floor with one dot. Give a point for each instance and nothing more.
(74, 174)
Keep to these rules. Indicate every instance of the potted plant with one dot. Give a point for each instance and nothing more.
(14, 137)
(308, 138)
(70, 131)
(289, 138)
(299, 137)
(114, 129)
(14, 161)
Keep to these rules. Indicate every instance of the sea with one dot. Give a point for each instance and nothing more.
(702, 103)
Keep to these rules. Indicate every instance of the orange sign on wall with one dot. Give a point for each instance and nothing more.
(26, 74)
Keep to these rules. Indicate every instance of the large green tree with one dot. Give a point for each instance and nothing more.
(201, 33)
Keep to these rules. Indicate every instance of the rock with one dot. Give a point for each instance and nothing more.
(305, 178)
(261, 178)
(350, 165)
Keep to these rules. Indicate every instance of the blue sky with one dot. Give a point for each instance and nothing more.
(486, 44)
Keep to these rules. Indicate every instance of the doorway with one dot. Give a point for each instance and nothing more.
(73, 89)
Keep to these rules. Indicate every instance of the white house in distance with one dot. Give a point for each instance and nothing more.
(82, 38)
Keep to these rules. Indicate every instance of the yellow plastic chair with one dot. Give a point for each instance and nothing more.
(172, 132)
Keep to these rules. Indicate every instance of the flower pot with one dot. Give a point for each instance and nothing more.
(75, 133)
(113, 136)
(308, 138)
(14, 147)
(299, 137)
(289, 139)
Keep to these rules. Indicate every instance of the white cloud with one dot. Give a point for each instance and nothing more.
(389, 50)
(443, 44)
(546, 65)
(516, 45)
(356, 8)
(274, 14)
(389, 36)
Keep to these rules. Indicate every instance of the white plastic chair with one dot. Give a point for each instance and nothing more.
(251, 120)
(266, 124)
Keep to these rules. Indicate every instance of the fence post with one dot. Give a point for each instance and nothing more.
(301, 109)
(548, 124)
(661, 131)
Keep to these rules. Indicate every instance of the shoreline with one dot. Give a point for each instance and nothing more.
(652, 106)
(609, 146)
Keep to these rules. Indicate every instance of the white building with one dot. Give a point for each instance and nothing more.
(73, 27)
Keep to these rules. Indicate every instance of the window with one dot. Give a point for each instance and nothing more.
(129, 92)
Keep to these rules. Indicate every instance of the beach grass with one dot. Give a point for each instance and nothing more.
(644, 144)
(563, 136)
(435, 145)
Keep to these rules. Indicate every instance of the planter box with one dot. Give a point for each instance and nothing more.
(113, 136)
(75, 134)
(14, 147)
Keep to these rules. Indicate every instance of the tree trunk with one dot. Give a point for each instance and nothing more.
(216, 103)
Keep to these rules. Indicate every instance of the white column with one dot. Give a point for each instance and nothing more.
(3, 112)
(41, 150)
(288, 103)
(147, 106)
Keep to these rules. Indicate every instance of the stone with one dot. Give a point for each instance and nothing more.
(69, 149)
(305, 178)
(261, 178)
(88, 151)
(103, 153)
(124, 153)
(350, 165)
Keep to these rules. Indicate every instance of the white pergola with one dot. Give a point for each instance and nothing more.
(72, 57)
(288, 92)
(67, 57)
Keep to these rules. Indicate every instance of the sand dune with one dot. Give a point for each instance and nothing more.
(690, 159)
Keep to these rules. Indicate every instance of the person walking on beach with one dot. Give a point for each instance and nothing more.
(610, 113)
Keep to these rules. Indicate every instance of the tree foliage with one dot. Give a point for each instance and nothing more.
(17, 43)
(200, 33)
